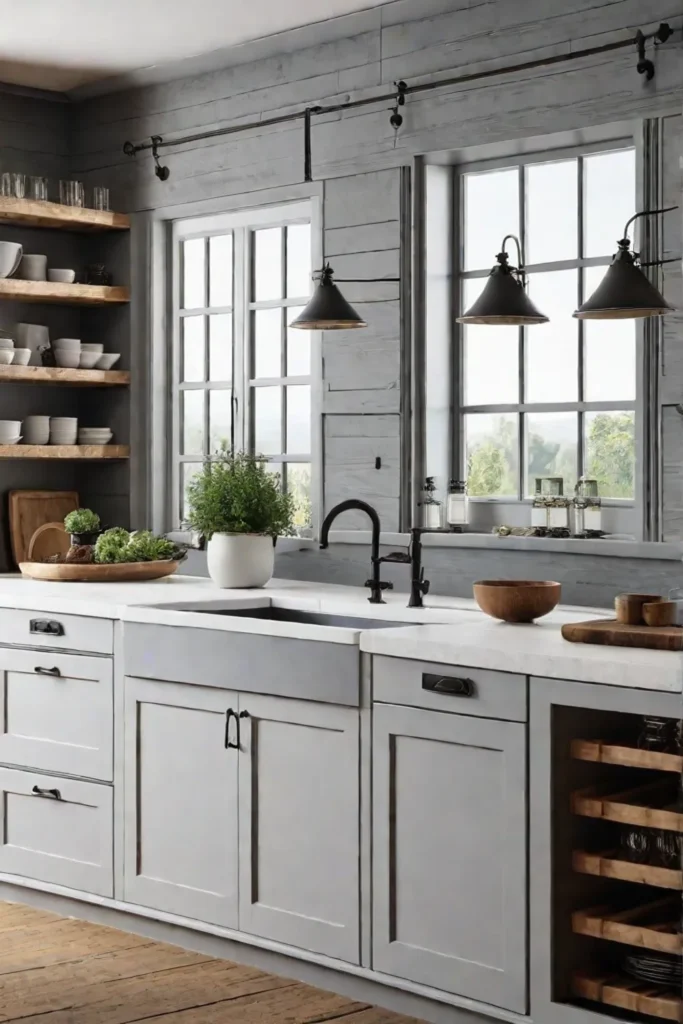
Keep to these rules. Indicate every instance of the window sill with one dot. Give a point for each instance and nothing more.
(284, 544)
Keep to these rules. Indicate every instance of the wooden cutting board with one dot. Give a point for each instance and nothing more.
(30, 509)
(614, 634)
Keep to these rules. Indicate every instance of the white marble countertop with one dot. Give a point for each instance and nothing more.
(448, 630)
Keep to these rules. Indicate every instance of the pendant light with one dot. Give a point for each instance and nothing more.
(624, 292)
(504, 299)
(327, 309)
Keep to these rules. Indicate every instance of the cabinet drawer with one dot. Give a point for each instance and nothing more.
(467, 691)
(56, 712)
(56, 631)
(56, 830)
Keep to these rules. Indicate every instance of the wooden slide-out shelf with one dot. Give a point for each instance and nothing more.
(631, 757)
(61, 375)
(53, 293)
(31, 213)
(628, 994)
(653, 925)
(654, 805)
(609, 864)
(86, 452)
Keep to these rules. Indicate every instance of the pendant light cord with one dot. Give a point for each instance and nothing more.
(642, 213)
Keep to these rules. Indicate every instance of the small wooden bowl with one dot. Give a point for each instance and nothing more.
(629, 607)
(517, 600)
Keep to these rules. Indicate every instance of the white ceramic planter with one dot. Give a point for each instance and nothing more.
(240, 560)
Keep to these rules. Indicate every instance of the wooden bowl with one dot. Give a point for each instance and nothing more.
(516, 600)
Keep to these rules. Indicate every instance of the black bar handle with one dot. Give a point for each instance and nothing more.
(48, 627)
(452, 685)
(229, 745)
(52, 794)
(47, 671)
(242, 714)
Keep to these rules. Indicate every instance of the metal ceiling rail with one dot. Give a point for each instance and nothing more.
(644, 66)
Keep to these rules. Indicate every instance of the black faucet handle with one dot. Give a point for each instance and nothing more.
(379, 584)
(402, 557)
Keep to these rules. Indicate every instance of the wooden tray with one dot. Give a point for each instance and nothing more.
(653, 925)
(126, 572)
(609, 864)
(629, 994)
(615, 634)
(651, 805)
(633, 757)
(30, 509)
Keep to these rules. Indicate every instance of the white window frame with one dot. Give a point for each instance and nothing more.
(244, 221)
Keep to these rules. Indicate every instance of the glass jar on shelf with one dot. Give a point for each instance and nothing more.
(457, 505)
(587, 508)
(430, 506)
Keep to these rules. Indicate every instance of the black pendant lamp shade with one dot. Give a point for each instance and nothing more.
(504, 300)
(327, 310)
(624, 292)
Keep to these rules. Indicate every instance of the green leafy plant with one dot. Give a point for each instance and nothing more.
(118, 545)
(82, 520)
(235, 493)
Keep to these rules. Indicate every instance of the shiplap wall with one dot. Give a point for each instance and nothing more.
(357, 156)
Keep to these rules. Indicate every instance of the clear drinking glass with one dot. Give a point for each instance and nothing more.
(6, 184)
(71, 193)
(100, 198)
(18, 185)
(38, 189)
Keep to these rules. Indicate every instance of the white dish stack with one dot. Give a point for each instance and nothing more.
(63, 429)
(67, 352)
(72, 353)
(37, 430)
(10, 431)
(94, 435)
(9, 355)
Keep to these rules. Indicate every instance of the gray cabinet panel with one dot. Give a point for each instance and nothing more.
(244, 661)
(64, 632)
(449, 863)
(299, 824)
(181, 801)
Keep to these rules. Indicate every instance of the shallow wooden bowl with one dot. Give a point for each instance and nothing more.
(516, 600)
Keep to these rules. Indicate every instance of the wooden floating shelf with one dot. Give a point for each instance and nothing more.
(629, 994)
(62, 294)
(650, 926)
(64, 451)
(60, 375)
(608, 864)
(632, 806)
(31, 213)
(633, 757)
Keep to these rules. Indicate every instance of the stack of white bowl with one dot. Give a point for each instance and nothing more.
(94, 435)
(37, 430)
(10, 431)
(63, 429)
(11, 355)
(91, 353)
(67, 352)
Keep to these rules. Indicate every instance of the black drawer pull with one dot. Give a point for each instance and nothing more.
(229, 745)
(47, 671)
(47, 627)
(51, 794)
(452, 685)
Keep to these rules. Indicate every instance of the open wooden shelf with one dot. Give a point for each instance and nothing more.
(628, 994)
(632, 757)
(609, 864)
(62, 294)
(64, 451)
(654, 805)
(31, 213)
(60, 375)
(654, 925)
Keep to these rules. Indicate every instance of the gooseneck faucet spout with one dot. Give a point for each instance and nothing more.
(375, 584)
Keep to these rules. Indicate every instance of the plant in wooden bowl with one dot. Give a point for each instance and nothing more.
(117, 546)
(238, 506)
(517, 600)
(83, 525)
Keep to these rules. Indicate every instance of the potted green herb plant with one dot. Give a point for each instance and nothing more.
(83, 525)
(238, 506)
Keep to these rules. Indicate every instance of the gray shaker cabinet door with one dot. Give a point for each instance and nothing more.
(299, 824)
(180, 800)
(449, 853)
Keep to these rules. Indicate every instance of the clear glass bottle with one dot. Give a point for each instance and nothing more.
(587, 507)
(457, 504)
(558, 514)
(430, 506)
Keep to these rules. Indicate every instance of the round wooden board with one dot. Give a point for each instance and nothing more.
(75, 572)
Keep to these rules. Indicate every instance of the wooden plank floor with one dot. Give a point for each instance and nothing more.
(56, 970)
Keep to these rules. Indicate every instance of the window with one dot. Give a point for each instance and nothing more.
(557, 399)
(242, 377)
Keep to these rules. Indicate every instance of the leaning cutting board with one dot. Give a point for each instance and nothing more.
(614, 634)
(30, 509)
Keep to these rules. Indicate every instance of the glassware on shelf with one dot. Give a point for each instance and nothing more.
(71, 193)
(38, 189)
(587, 508)
(655, 734)
(431, 506)
(668, 848)
(457, 504)
(637, 844)
(100, 198)
(549, 486)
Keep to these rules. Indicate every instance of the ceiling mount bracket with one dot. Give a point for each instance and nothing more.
(645, 66)
(396, 119)
(308, 158)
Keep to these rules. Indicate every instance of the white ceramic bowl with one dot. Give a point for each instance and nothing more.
(63, 438)
(36, 430)
(94, 440)
(67, 343)
(88, 360)
(10, 428)
(61, 276)
(96, 437)
(108, 360)
(68, 360)
(64, 421)
(6, 358)
(92, 346)
(10, 258)
(11, 440)
(21, 356)
(6, 345)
